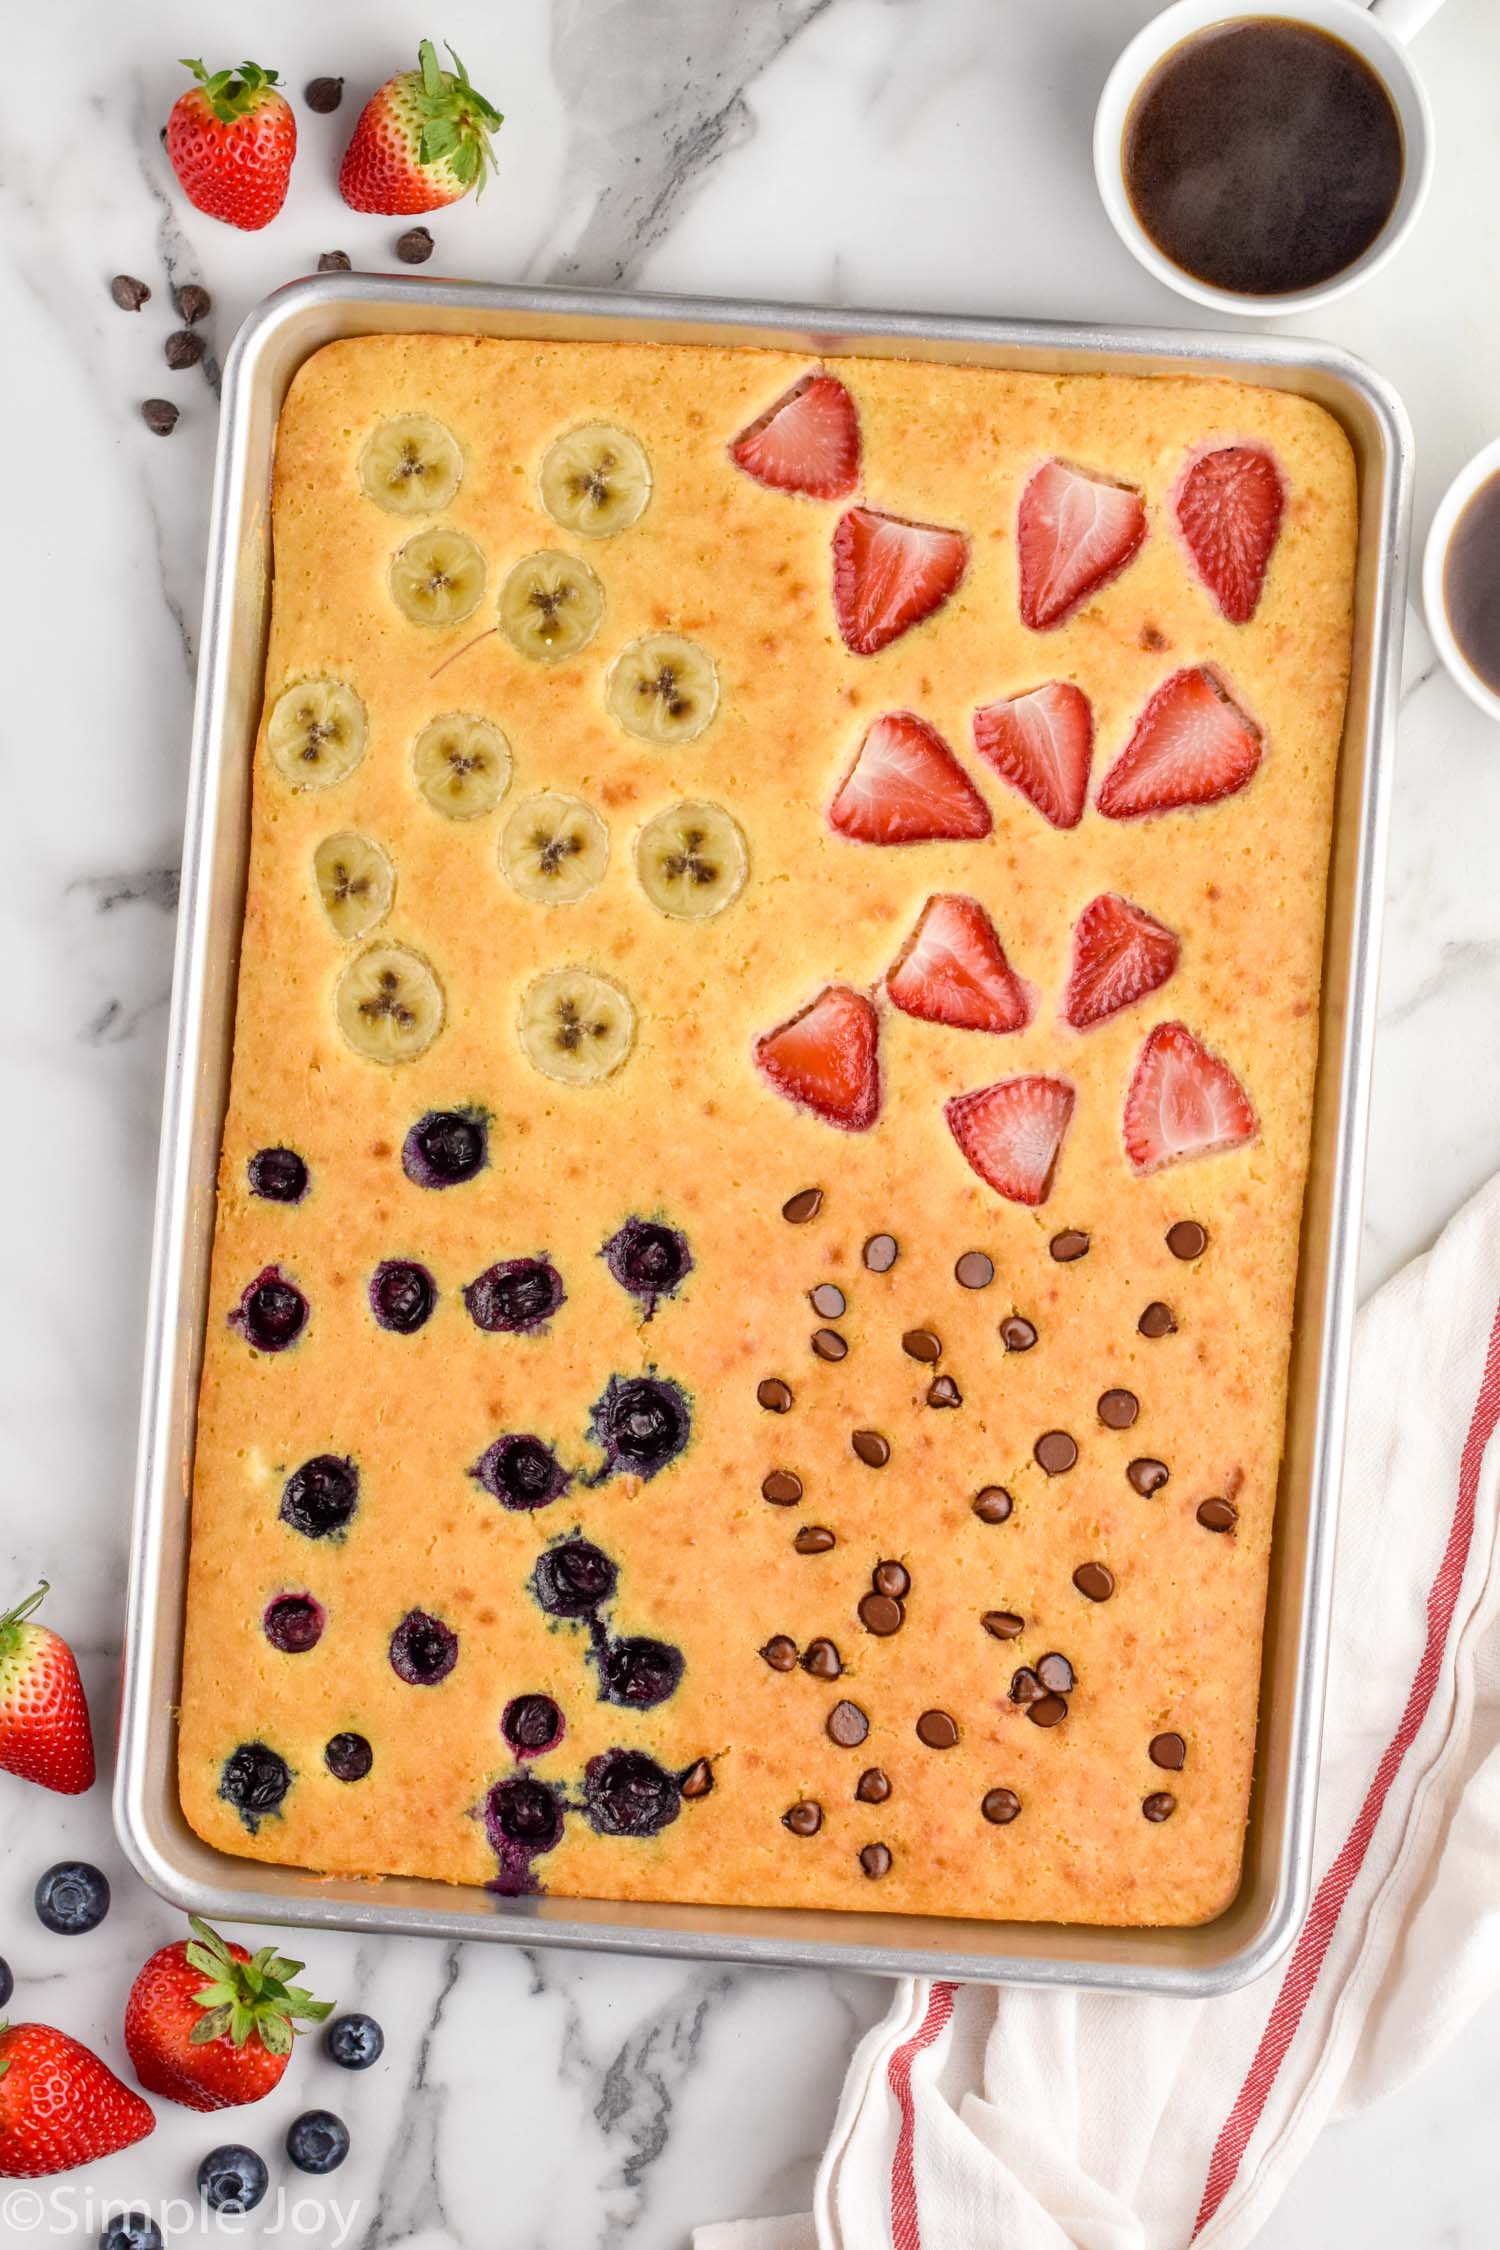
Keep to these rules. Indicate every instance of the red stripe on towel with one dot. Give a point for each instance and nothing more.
(906, 2227)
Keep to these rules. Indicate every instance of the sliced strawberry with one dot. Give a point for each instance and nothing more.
(952, 969)
(889, 574)
(825, 1057)
(1192, 745)
(807, 442)
(1182, 1102)
(906, 787)
(1011, 1133)
(1229, 507)
(1043, 743)
(1073, 532)
(1120, 953)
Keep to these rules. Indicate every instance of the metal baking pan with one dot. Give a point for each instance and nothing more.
(1215, 1957)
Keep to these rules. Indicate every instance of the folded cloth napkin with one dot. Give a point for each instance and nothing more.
(1060, 2121)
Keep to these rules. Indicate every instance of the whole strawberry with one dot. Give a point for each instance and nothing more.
(59, 2105)
(423, 140)
(231, 139)
(211, 2027)
(44, 1720)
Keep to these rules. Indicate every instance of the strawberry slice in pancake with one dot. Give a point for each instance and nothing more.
(807, 442)
(1192, 745)
(889, 575)
(953, 970)
(906, 787)
(1043, 744)
(1182, 1102)
(1120, 953)
(1011, 1133)
(1229, 507)
(1074, 532)
(826, 1058)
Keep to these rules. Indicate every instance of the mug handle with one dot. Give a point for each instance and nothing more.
(1403, 19)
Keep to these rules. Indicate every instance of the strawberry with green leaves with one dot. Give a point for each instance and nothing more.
(210, 2026)
(44, 1721)
(59, 2105)
(423, 140)
(231, 140)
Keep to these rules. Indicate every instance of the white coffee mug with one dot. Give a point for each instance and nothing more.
(1485, 464)
(1376, 33)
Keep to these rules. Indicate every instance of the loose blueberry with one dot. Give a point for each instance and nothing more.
(402, 1295)
(446, 1147)
(354, 2042)
(348, 1757)
(320, 1498)
(521, 1472)
(272, 1313)
(7, 1984)
(625, 1793)
(514, 1297)
(232, 2178)
(531, 1724)
(278, 1174)
(317, 2141)
(525, 1812)
(131, 2230)
(650, 1261)
(72, 1898)
(642, 1422)
(639, 1672)
(294, 1623)
(254, 1780)
(423, 1649)
(573, 1578)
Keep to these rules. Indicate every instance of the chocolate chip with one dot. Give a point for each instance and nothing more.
(1056, 1673)
(1118, 1409)
(1047, 1711)
(1160, 1805)
(1168, 1751)
(873, 1449)
(128, 293)
(804, 1205)
(334, 261)
(821, 1660)
(782, 1488)
(881, 1252)
(1147, 1476)
(1157, 1320)
(993, 1504)
(1017, 1334)
(183, 348)
(1000, 1806)
(1025, 1687)
(1094, 1582)
(938, 1729)
(780, 1652)
(943, 1391)
(873, 1786)
(698, 1781)
(159, 416)
(193, 303)
(828, 1301)
(804, 1819)
(323, 95)
(1186, 1239)
(774, 1395)
(1055, 1452)
(875, 1859)
(847, 1726)
(829, 1344)
(920, 1343)
(880, 1615)
(1070, 1244)
(891, 1578)
(974, 1270)
(415, 247)
(816, 1539)
(1003, 1623)
(1218, 1515)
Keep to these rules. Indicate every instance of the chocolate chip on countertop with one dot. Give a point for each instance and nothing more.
(828, 1344)
(1025, 1687)
(1168, 1751)
(1056, 1673)
(1017, 1334)
(1160, 1805)
(774, 1395)
(780, 1652)
(804, 1205)
(1157, 1320)
(880, 1615)
(881, 1252)
(1004, 1624)
(334, 261)
(415, 247)
(938, 1729)
(159, 416)
(920, 1343)
(814, 1539)
(1055, 1452)
(891, 1578)
(804, 1819)
(943, 1391)
(783, 1488)
(128, 293)
(1118, 1409)
(1047, 1711)
(873, 1449)
(1147, 1476)
(193, 303)
(1000, 1806)
(183, 348)
(1072, 1243)
(1218, 1515)
(873, 1786)
(993, 1504)
(828, 1301)
(974, 1270)
(821, 1660)
(847, 1725)
(698, 1781)
(875, 1859)
(323, 95)
(1186, 1239)
(1094, 1581)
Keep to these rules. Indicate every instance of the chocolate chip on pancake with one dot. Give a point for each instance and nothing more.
(1056, 1673)
(1017, 1334)
(1168, 1751)
(1004, 1624)
(993, 1504)
(1068, 1246)
(873, 1786)
(891, 1578)
(847, 1725)
(943, 1391)
(828, 1301)
(1218, 1515)
(880, 1615)
(1147, 1475)
(698, 1781)
(829, 1344)
(974, 1270)
(1157, 1320)
(1047, 1711)
(1094, 1581)
(1118, 1409)
(1160, 1805)
(1055, 1452)
(1025, 1687)
(780, 1652)
(875, 1859)
(938, 1729)
(804, 1205)
(1000, 1806)
(783, 1488)
(881, 1252)
(814, 1539)
(774, 1395)
(873, 1449)
(821, 1660)
(804, 1819)
(1187, 1239)
(920, 1343)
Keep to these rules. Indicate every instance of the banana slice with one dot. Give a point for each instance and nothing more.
(595, 481)
(550, 606)
(411, 464)
(555, 849)
(316, 733)
(356, 883)
(663, 688)
(575, 1026)
(692, 860)
(438, 577)
(389, 1004)
(462, 765)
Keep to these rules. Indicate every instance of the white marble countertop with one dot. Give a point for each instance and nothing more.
(922, 153)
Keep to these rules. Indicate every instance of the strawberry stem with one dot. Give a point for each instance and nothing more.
(248, 1997)
(231, 93)
(18, 1616)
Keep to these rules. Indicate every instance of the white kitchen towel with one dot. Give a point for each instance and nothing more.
(976, 2120)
